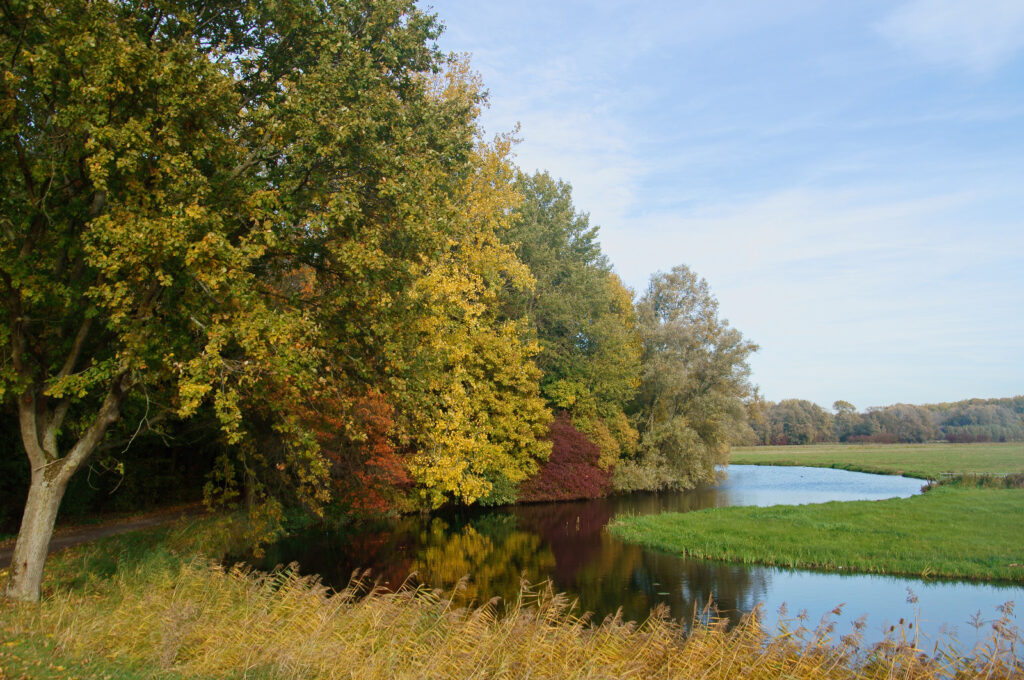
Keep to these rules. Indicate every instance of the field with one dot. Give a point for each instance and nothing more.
(934, 534)
(927, 461)
(150, 605)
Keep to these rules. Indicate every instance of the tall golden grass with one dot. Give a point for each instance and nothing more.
(190, 617)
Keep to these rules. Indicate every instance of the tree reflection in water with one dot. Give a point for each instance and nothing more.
(564, 543)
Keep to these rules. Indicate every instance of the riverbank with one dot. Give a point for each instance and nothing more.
(935, 534)
(152, 604)
(925, 461)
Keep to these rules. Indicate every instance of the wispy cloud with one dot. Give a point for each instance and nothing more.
(865, 293)
(859, 218)
(979, 36)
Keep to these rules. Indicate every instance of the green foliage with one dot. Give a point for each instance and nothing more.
(794, 421)
(581, 313)
(695, 378)
(236, 211)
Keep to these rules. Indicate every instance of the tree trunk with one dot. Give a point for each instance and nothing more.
(44, 496)
(50, 476)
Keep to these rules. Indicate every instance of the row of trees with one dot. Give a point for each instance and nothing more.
(278, 225)
(797, 421)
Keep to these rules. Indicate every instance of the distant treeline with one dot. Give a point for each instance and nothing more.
(798, 421)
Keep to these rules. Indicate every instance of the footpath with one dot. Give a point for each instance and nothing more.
(64, 537)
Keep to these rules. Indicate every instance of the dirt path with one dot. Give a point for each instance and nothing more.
(69, 536)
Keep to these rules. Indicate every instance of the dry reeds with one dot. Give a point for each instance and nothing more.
(193, 618)
(206, 621)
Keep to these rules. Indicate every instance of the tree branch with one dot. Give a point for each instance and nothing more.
(107, 415)
(76, 348)
(52, 427)
(29, 432)
(252, 157)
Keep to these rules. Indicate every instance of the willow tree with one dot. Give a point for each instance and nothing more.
(695, 377)
(209, 205)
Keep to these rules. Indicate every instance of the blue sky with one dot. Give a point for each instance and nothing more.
(848, 176)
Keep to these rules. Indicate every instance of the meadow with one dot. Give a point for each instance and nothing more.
(934, 534)
(154, 605)
(926, 461)
(931, 535)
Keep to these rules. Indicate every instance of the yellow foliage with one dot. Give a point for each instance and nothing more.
(485, 414)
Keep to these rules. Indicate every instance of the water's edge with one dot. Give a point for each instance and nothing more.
(565, 544)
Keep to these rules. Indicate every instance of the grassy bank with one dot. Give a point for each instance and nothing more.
(934, 534)
(149, 605)
(927, 461)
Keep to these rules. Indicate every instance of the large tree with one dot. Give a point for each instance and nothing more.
(228, 206)
(581, 313)
(695, 378)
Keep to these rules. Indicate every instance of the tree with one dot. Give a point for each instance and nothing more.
(796, 421)
(846, 419)
(225, 206)
(480, 418)
(695, 377)
(581, 313)
(122, 271)
(572, 472)
(904, 422)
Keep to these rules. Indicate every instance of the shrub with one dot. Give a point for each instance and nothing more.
(878, 438)
(572, 472)
(966, 438)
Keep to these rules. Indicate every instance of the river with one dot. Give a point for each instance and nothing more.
(566, 544)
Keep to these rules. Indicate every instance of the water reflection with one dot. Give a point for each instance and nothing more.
(566, 543)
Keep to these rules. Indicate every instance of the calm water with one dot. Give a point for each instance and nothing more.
(566, 544)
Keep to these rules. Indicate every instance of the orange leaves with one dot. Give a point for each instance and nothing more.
(368, 473)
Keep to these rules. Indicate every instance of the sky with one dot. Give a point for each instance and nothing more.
(847, 176)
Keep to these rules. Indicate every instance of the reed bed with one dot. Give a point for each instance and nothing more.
(181, 616)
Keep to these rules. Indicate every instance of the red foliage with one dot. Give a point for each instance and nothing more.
(354, 435)
(964, 438)
(571, 472)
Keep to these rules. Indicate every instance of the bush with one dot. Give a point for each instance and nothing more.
(967, 438)
(1013, 480)
(573, 470)
(879, 438)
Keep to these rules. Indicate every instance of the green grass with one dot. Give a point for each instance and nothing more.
(30, 654)
(926, 461)
(951, 532)
(33, 639)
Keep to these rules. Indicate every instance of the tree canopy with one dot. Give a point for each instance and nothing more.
(797, 421)
(282, 221)
(581, 313)
(244, 207)
(695, 379)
